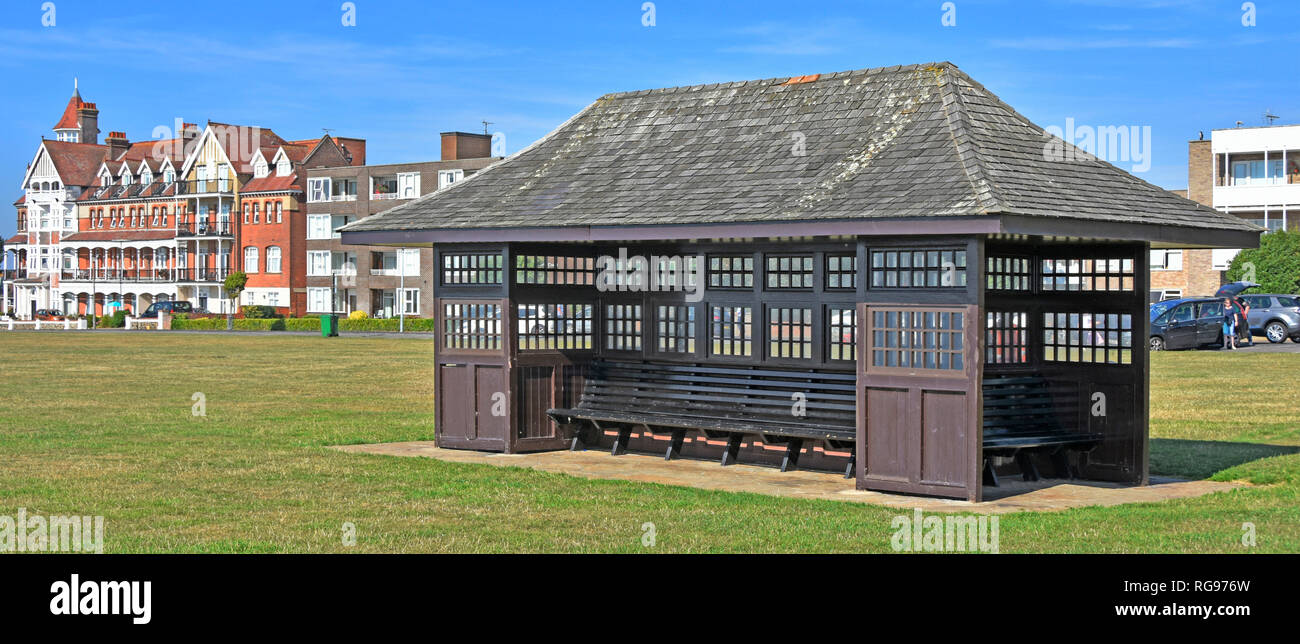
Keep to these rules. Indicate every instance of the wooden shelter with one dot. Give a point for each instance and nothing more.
(888, 272)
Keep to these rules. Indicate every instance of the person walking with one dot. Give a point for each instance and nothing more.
(1229, 324)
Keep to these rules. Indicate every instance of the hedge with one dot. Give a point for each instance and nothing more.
(418, 325)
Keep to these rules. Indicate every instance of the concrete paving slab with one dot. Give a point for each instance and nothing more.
(1011, 496)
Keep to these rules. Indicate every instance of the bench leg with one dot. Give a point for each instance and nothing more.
(1028, 470)
(990, 476)
(675, 445)
(853, 461)
(577, 444)
(1061, 463)
(620, 443)
(791, 458)
(733, 449)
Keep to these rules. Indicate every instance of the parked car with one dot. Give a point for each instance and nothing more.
(47, 315)
(169, 306)
(1274, 315)
(1186, 323)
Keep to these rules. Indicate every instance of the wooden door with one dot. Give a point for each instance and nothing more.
(919, 400)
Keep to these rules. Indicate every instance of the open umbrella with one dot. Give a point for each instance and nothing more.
(1232, 289)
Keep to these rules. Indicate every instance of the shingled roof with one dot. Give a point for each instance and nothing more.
(916, 141)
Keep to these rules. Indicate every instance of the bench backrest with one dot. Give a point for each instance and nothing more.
(1020, 405)
(713, 391)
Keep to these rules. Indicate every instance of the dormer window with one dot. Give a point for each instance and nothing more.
(126, 177)
(169, 176)
(106, 179)
(283, 167)
(259, 169)
(146, 176)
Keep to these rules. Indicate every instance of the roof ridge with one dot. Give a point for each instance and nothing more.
(775, 80)
(986, 193)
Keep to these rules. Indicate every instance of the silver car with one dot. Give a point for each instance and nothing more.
(1276, 316)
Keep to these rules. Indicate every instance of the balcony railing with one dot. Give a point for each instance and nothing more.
(203, 228)
(202, 274)
(205, 187)
(121, 275)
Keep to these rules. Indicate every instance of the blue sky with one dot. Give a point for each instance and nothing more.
(409, 70)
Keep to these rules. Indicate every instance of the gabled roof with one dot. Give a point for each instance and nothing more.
(241, 154)
(917, 142)
(76, 163)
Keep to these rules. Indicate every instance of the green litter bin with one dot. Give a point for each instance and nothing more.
(329, 326)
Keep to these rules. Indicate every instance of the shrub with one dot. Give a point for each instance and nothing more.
(114, 321)
(1275, 265)
(357, 315)
(259, 312)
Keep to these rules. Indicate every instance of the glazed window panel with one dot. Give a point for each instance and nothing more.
(623, 327)
(789, 271)
(731, 271)
(675, 329)
(1006, 337)
(555, 326)
(1109, 274)
(918, 268)
(471, 269)
(917, 339)
(842, 272)
(732, 330)
(789, 333)
(471, 326)
(1009, 273)
(676, 273)
(555, 270)
(841, 333)
(1103, 338)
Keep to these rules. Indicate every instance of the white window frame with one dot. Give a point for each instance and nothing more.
(408, 262)
(318, 299)
(408, 185)
(448, 177)
(318, 227)
(318, 189)
(406, 301)
(318, 256)
(273, 259)
(1169, 260)
(250, 254)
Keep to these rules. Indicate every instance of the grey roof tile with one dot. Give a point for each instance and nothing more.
(908, 141)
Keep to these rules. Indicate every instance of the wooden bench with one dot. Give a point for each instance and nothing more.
(1020, 417)
(722, 401)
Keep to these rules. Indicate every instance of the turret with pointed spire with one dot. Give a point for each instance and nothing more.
(80, 121)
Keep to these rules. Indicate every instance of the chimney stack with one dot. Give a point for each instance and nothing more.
(88, 120)
(464, 145)
(117, 144)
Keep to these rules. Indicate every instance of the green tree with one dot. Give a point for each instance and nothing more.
(1275, 265)
(234, 285)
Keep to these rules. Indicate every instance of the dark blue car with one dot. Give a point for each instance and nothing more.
(1186, 323)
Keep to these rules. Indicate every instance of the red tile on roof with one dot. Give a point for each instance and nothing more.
(271, 183)
(20, 238)
(69, 120)
(76, 163)
(114, 235)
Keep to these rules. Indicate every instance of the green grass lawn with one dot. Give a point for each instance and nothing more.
(101, 424)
